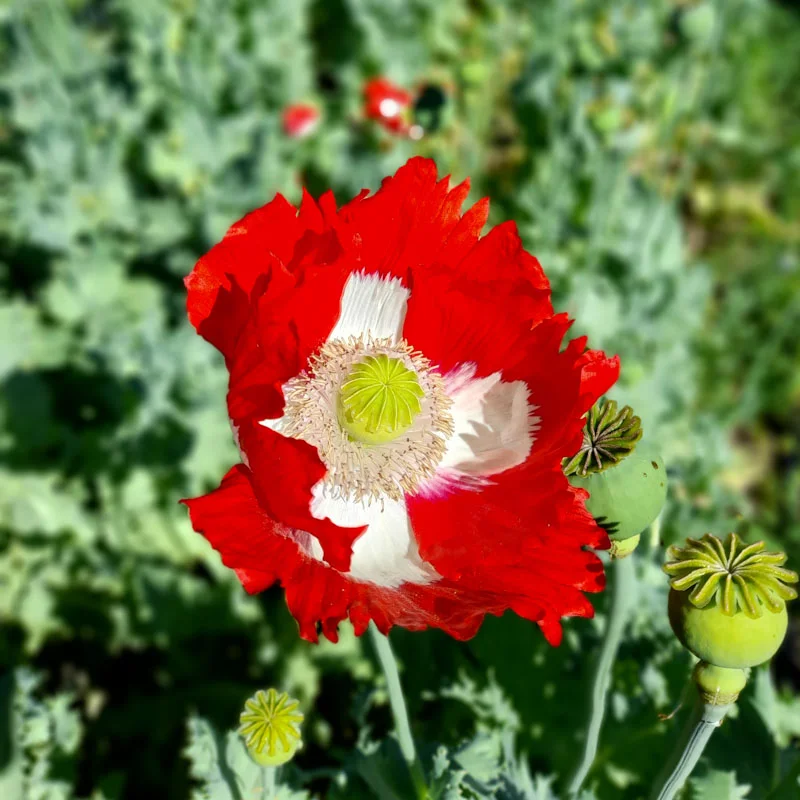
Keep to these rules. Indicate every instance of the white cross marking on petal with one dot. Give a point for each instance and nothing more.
(494, 423)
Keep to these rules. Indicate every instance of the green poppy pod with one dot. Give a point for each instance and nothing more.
(628, 496)
(727, 604)
(625, 477)
(736, 641)
(270, 726)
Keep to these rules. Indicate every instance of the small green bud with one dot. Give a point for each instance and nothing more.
(270, 726)
(727, 604)
(625, 478)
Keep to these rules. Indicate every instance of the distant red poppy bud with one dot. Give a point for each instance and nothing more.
(300, 120)
(388, 104)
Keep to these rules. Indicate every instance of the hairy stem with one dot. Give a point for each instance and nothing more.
(622, 592)
(702, 722)
(399, 711)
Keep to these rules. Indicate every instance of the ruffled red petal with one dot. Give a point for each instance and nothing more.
(481, 307)
(285, 326)
(242, 257)
(407, 223)
(284, 471)
(521, 538)
(262, 551)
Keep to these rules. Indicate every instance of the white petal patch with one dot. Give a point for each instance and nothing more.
(494, 423)
(371, 305)
(386, 553)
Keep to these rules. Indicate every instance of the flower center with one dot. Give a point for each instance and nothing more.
(376, 411)
(379, 399)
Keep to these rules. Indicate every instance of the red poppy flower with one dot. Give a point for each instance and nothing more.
(387, 104)
(300, 120)
(402, 403)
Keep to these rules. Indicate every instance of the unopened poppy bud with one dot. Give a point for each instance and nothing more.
(270, 727)
(727, 604)
(625, 478)
(300, 120)
(388, 104)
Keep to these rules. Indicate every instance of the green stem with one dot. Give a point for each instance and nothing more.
(269, 782)
(622, 596)
(704, 720)
(399, 711)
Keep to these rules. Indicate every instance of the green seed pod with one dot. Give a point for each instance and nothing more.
(270, 726)
(727, 604)
(625, 478)
(379, 399)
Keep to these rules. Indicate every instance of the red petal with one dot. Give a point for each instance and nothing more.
(500, 256)
(405, 223)
(598, 374)
(242, 255)
(480, 309)
(283, 472)
(284, 329)
(248, 540)
(261, 552)
(524, 548)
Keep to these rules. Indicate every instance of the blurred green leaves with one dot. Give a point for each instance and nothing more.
(649, 153)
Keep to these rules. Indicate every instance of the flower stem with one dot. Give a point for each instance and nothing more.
(704, 720)
(399, 711)
(622, 591)
(268, 781)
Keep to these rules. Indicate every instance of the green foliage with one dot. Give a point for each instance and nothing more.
(223, 768)
(650, 155)
(716, 785)
(39, 735)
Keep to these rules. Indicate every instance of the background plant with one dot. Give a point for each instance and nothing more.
(650, 153)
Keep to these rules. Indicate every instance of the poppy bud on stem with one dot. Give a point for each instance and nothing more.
(727, 605)
(622, 472)
(270, 727)
(627, 489)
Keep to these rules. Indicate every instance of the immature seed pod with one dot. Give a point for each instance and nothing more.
(625, 477)
(270, 727)
(727, 602)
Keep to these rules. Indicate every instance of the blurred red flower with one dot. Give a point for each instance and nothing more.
(388, 104)
(300, 120)
(402, 402)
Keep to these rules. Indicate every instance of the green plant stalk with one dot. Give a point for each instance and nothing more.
(703, 721)
(269, 782)
(399, 711)
(622, 597)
